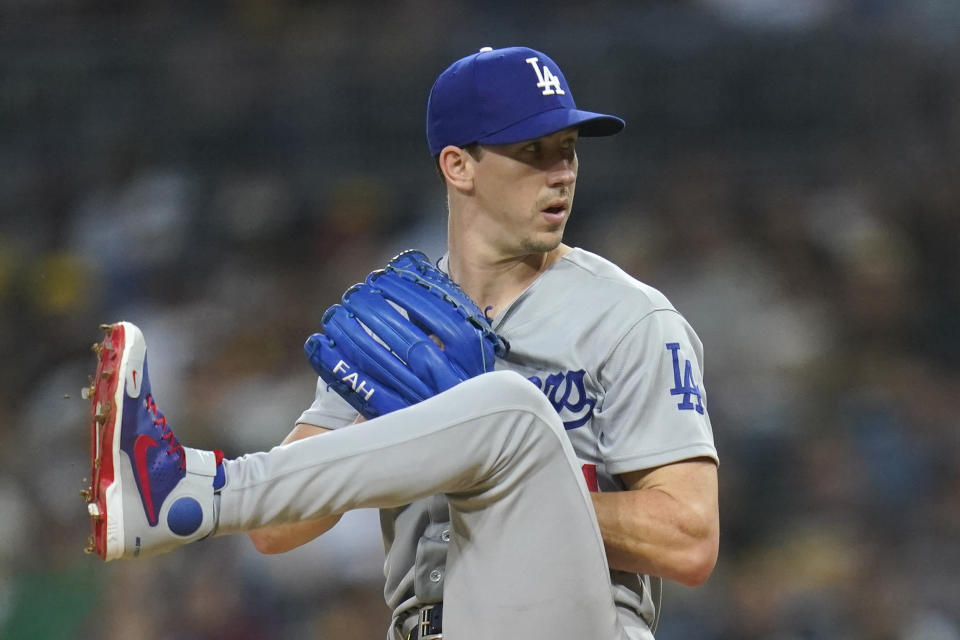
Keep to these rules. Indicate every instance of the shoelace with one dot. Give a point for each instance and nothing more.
(166, 433)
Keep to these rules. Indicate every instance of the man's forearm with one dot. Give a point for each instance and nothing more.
(669, 530)
(284, 537)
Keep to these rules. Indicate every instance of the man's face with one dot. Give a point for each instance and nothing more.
(527, 189)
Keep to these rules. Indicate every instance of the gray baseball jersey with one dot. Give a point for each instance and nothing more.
(622, 368)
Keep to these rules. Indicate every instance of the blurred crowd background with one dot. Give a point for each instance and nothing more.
(218, 172)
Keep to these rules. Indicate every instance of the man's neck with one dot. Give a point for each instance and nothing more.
(495, 281)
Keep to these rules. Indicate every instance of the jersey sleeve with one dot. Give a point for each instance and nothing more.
(654, 410)
(328, 409)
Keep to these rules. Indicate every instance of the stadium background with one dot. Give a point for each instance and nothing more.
(218, 172)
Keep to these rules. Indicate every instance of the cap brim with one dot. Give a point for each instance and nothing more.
(542, 124)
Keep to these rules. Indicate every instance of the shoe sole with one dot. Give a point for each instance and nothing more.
(123, 343)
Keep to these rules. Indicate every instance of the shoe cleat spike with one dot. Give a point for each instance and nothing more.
(91, 545)
(86, 494)
(97, 348)
(102, 410)
(93, 510)
(86, 392)
(107, 328)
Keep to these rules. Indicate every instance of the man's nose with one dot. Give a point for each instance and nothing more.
(562, 173)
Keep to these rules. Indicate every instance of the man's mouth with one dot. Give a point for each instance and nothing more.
(555, 212)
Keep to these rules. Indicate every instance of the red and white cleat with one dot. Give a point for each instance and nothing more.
(148, 493)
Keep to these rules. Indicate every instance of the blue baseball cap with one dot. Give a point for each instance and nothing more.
(501, 96)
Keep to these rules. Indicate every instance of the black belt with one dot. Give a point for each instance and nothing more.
(430, 624)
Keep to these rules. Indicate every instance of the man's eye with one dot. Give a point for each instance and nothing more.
(532, 148)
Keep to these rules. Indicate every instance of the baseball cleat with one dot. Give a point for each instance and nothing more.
(148, 493)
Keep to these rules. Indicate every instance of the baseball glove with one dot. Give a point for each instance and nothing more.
(403, 335)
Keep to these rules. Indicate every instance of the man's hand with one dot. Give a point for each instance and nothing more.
(405, 334)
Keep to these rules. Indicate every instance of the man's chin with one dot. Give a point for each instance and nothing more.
(542, 245)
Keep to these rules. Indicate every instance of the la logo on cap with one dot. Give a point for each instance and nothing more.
(547, 81)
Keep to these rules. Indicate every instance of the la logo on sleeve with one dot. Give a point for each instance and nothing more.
(685, 386)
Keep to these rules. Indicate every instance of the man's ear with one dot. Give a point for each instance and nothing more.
(457, 166)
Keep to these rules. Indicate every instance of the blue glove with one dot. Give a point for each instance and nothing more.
(404, 335)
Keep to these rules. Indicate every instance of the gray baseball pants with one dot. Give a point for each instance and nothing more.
(525, 560)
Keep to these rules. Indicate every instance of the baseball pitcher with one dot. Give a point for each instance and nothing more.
(530, 420)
